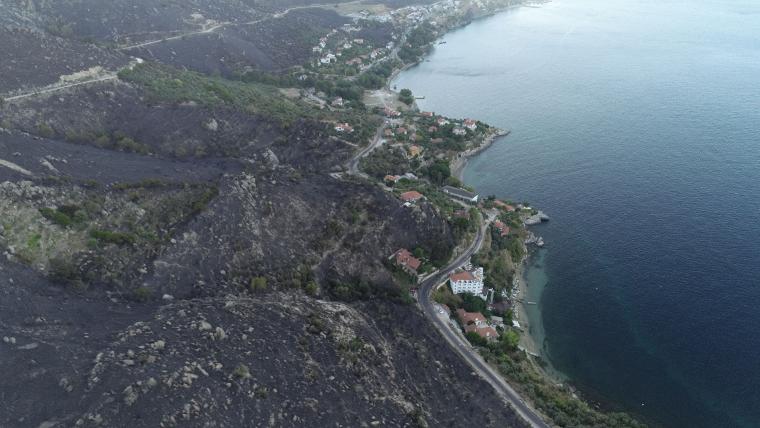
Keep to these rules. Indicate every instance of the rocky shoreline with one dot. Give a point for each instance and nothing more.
(459, 163)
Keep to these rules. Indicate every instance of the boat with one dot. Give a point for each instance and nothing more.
(442, 42)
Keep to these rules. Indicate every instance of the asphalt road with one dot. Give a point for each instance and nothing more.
(353, 163)
(463, 348)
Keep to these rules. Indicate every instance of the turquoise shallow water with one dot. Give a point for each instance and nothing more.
(636, 126)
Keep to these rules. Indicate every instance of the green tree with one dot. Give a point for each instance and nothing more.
(472, 303)
(475, 339)
(406, 97)
(439, 172)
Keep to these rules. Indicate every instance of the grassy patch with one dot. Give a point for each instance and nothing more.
(166, 84)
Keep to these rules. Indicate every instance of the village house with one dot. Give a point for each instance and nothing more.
(461, 194)
(392, 178)
(405, 260)
(470, 124)
(389, 112)
(459, 131)
(426, 114)
(415, 151)
(442, 121)
(432, 129)
(476, 322)
(401, 130)
(388, 132)
(501, 227)
(475, 319)
(327, 59)
(344, 127)
(436, 140)
(337, 102)
(470, 282)
(411, 196)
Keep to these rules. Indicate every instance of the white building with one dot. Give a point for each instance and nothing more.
(468, 282)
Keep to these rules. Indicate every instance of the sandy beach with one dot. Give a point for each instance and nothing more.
(527, 341)
(529, 317)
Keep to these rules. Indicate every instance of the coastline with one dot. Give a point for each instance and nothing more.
(459, 163)
(530, 343)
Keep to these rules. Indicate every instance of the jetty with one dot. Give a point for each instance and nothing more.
(537, 218)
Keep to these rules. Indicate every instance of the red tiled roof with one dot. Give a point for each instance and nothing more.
(462, 276)
(405, 258)
(411, 196)
(503, 228)
(487, 332)
(468, 318)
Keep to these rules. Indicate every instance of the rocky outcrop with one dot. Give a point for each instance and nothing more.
(281, 360)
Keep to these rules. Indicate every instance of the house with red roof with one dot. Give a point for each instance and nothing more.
(411, 196)
(392, 178)
(470, 124)
(471, 318)
(405, 260)
(389, 112)
(476, 322)
(501, 227)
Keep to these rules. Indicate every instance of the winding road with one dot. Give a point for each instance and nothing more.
(353, 164)
(462, 347)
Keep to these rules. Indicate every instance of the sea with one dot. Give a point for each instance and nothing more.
(635, 125)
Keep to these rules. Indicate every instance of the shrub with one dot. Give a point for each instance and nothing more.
(56, 216)
(475, 339)
(142, 294)
(109, 237)
(65, 271)
(258, 283)
(242, 372)
(44, 130)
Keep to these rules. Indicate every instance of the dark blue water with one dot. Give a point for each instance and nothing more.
(636, 126)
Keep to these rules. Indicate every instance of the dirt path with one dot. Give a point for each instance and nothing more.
(226, 24)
